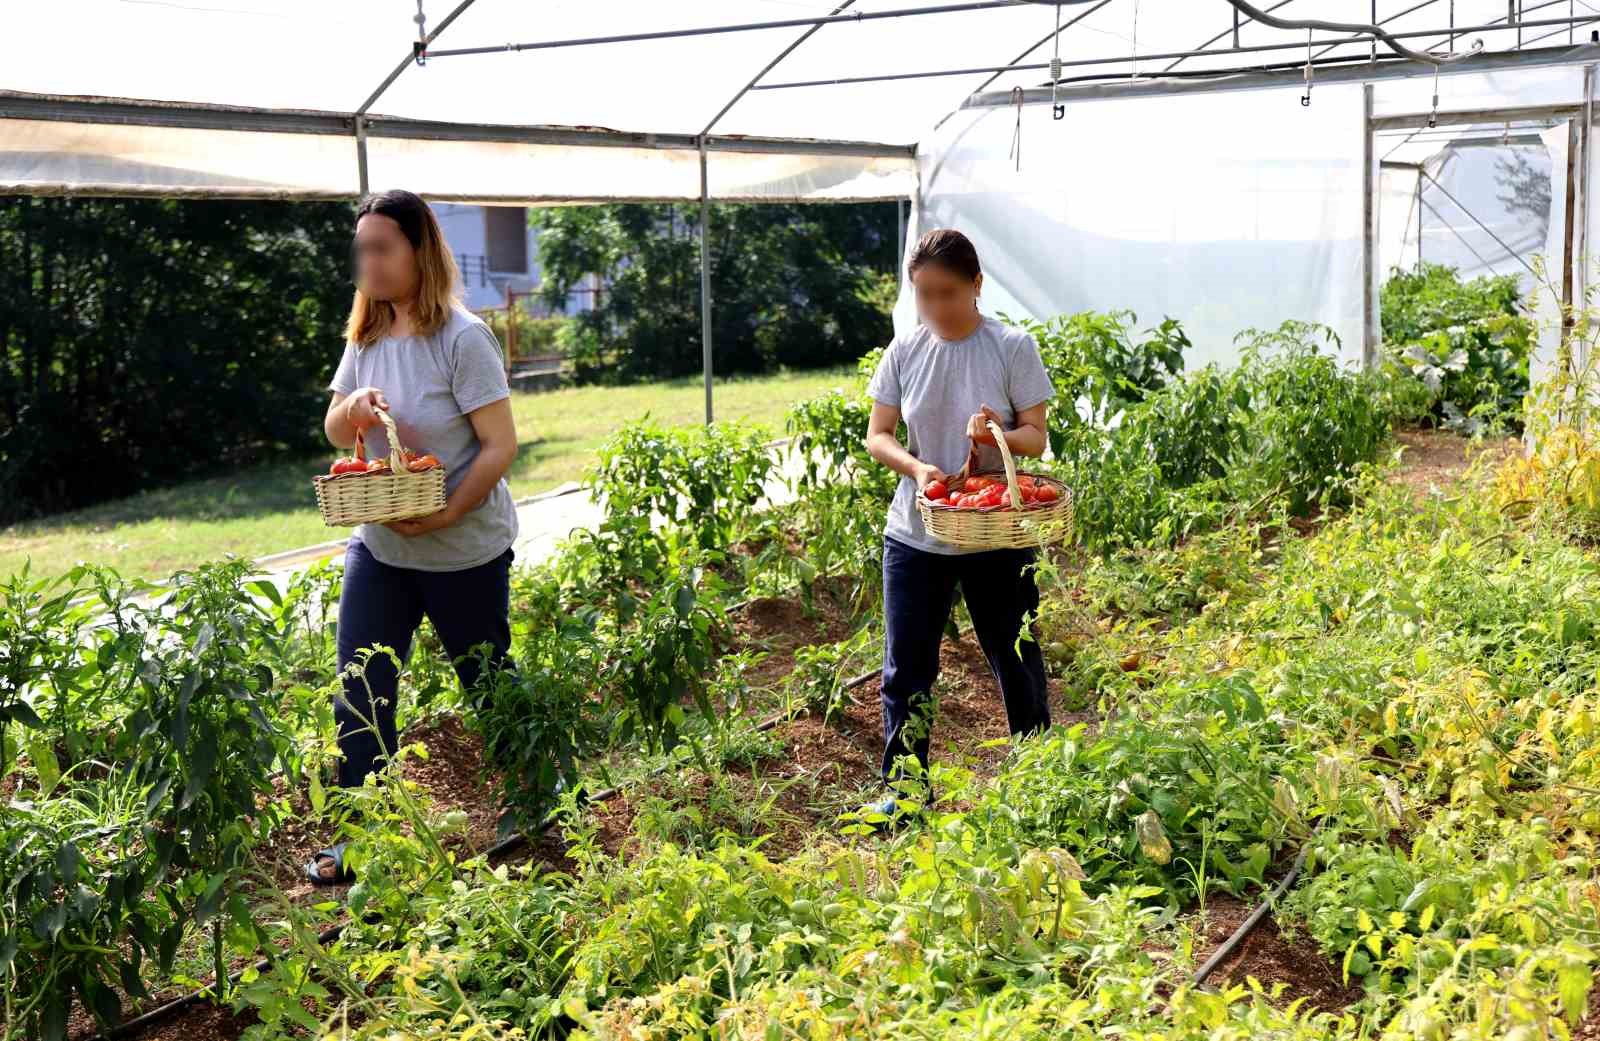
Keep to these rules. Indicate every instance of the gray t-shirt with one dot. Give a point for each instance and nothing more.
(432, 383)
(938, 385)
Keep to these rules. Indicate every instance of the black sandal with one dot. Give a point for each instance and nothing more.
(341, 876)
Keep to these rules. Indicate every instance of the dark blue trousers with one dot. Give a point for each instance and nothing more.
(382, 605)
(918, 592)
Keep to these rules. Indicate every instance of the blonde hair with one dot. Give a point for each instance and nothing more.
(371, 319)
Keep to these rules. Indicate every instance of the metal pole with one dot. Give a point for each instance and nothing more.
(1369, 237)
(409, 59)
(899, 240)
(1290, 74)
(361, 152)
(1419, 220)
(997, 73)
(1451, 228)
(705, 278)
(758, 77)
(1585, 161)
(739, 27)
(1486, 229)
(1471, 66)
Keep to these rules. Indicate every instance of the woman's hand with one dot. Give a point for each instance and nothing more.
(978, 425)
(925, 474)
(415, 526)
(361, 408)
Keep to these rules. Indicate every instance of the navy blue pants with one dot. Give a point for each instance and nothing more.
(382, 605)
(918, 592)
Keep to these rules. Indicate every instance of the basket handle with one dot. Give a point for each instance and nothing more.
(1011, 466)
(397, 462)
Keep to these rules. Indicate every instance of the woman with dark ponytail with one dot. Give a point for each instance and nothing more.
(945, 379)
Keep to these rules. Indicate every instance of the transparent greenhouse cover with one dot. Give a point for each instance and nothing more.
(1229, 209)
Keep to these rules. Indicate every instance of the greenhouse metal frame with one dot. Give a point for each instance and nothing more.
(946, 105)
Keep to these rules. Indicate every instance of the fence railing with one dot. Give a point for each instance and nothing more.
(474, 267)
(531, 304)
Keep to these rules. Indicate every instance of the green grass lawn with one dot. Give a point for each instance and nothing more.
(270, 508)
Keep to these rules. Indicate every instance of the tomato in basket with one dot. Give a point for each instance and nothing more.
(348, 465)
(936, 490)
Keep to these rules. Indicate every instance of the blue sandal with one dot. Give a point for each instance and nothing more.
(342, 876)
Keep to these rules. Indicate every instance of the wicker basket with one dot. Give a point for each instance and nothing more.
(372, 498)
(994, 527)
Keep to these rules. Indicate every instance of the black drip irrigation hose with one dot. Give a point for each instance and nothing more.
(509, 844)
(1221, 954)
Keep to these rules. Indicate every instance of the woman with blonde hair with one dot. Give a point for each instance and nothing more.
(412, 350)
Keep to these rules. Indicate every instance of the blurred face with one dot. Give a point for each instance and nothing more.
(947, 301)
(386, 265)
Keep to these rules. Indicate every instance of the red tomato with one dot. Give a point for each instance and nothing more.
(377, 465)
(993, 495)
(347, 465)
(936, 490)
(977, 484)
(422, 462)
(1046, 493)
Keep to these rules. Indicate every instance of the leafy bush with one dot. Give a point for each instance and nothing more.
(1468, 343)
(1094, 363)
(523, 335)
(1287, 421)
(148, 836)
(707, 479)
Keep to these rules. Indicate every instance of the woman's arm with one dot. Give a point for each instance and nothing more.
(497, 447)
(1027, 439)
(352, 412)
(883, 446)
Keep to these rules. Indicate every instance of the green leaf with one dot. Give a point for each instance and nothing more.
(1573, 981)
(67, 860)
(53, 1021)
(102, 1001)
(267, 589)
(210, 900)
(8, 951)
(157, 795)
(170, 938)
(203, 759)
(44, 761)
(22, 712)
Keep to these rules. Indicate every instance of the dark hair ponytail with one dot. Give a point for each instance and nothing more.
(949, 249)
(404, 208)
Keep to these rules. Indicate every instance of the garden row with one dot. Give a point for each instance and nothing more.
(127, 843)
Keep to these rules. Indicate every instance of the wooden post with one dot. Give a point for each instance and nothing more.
(511, 326)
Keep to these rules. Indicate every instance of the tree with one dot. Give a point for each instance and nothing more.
(145, 341)
(791, 285)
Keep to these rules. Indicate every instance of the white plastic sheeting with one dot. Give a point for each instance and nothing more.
(1228, 212)
(1479, 206)
(312, 54)
(45, 157)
